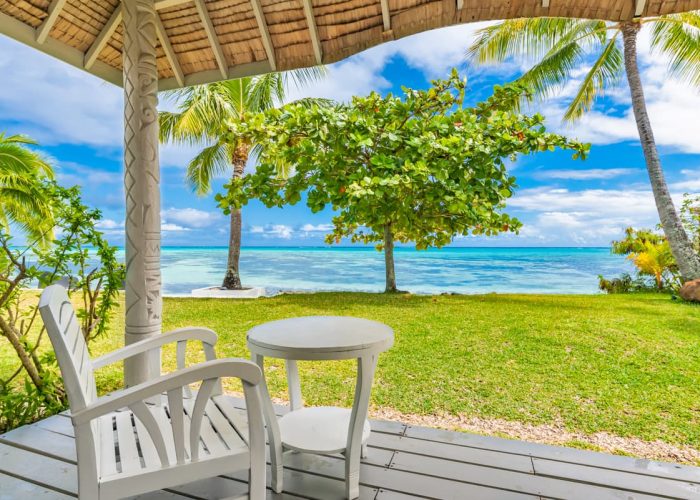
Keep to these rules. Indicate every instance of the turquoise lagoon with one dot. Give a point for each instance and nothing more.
(448, 270)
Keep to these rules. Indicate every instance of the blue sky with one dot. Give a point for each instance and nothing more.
(78, 120)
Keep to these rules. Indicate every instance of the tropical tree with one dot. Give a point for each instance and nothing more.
(650, 253)
(654, 260)
(420, 167)
(204, 117)
(24, 201)
(562, 47)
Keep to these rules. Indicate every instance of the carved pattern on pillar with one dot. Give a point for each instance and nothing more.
(141, 182)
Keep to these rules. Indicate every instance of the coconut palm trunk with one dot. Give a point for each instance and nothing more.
(681, 247)
(232, 279)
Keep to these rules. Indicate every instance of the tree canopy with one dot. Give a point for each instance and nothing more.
(203, 117)
(419, 168)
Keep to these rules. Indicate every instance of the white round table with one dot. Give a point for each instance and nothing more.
(320, 429)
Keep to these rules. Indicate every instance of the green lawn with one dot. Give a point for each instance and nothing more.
(627, 364)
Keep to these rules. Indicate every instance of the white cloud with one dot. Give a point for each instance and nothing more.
(191, 217)
(585, 217)
(311, 228)
(109, 224)
(168, 227)
(687, 186)
(71, 173)
(280, 231)
(54, 102)
(587, 174)
(436, 52)
(433, 53)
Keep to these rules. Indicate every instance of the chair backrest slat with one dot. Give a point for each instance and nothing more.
(69, 345)
(149, 422)
(198, 414)
(177, 421)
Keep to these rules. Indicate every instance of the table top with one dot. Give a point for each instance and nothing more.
(320, 337)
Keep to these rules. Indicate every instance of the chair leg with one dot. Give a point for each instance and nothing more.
(273, 431)
(256, 483)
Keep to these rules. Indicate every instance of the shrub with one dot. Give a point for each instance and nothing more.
(34, 389)
(651, 255)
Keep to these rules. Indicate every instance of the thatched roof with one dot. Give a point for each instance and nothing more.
(207, 40)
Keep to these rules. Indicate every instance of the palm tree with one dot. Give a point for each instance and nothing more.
(24, 202)
(203, 113)
(562, 46)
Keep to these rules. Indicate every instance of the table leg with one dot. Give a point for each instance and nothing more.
(273, 430)
(353, 451)
(293, 385)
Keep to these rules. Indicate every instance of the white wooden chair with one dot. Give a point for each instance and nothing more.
(126, 444)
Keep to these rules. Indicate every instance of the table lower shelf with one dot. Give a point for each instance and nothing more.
(322, 429)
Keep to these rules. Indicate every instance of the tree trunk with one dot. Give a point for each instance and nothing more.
(389, 260)
(688, 261)
(25, 358)
(232, 280)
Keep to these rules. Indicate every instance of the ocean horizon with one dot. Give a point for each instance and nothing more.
(464, 270)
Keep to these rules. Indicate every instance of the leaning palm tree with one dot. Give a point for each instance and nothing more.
(24, 201)
(202, 118)
(562, 46)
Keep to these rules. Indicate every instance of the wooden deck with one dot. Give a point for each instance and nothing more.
(38, 462)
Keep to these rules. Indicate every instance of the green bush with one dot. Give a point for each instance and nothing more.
(34, 389)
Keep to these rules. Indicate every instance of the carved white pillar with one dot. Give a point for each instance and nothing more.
(141, 182)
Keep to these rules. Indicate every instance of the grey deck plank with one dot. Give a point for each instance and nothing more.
(511, 480)
(394, 495)
(39, 469)
(312, 485)
(617, 479)
(17, 489)
(35, 438)
(158, 495)
(448, 451)
(396, 480)
(220, 487)
(57, 423)
(559, 453)
(388, 427)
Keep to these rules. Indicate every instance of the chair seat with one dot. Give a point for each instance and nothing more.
(127, 448)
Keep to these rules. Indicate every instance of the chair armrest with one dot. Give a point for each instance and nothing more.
(243, 369)
(206, 336)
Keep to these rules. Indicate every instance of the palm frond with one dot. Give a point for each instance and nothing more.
(265, 92)
(203, 114)
(677, 36)
(23, 201)
(304, 77)
(529, 39)
(559, 44)
(209, 162)
(604, 73)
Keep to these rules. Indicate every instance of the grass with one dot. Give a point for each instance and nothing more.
(626, 364)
